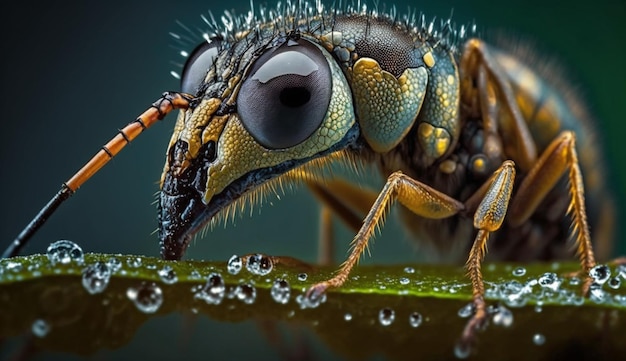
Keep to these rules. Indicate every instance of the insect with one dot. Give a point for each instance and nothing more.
(474, 145)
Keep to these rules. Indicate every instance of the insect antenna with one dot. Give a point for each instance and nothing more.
(159, 109)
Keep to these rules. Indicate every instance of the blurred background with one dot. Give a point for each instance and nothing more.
(74, 72)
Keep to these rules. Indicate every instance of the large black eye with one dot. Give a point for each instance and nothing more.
(285, 96)
(197, 65)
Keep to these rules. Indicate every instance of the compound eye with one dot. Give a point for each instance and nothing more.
(286, 94)
(197, 66)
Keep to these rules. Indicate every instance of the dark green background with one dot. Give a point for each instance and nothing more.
(72, 73)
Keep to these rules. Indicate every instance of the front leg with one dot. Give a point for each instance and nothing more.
(416, 196)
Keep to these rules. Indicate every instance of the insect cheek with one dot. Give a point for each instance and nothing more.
(387, 106)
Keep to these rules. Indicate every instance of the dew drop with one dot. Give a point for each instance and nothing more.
(596, 293)
(311, 301)
(194, 275)
(462, 350)
(409, 270)
(302, 277)
(281, 291)
(114, 264)
(347, 317)
(134, 262)
(621, 270)
(519, 271)
(466, 311)
(64, 252)
(168, 275)
(234, 264)
(246, 293)
(259, 264)
(539, 339)
(40, 328)
(148, 297)
(404, 281)
(575, 281)
(15, 267)
(386, 316)
(600, 273)
(501, 316)
(615, 282)
(415, 319)
(550, 281)
(96, 277)
(213, 291)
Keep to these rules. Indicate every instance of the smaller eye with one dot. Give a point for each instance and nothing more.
(286, 94)
(198, 64)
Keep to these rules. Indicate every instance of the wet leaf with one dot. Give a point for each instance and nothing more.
(98, 302)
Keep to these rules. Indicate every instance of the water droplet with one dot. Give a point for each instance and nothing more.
(194, 275)
(259, 264)
(64, 252)
(415, 319)
(15, 267)
(539, 339)
(234, 264)
(281, 291)
(386, 316)
(40, 328)
(404, 281)
(96, 277)
(615, 282)
(302, 277)
(466, 311)
(168, 275)
(621, 270)
(347, 317)
(409, 270)
(549, 280)
(600, 273)
(519, 271)
(310, 302)
(151, 266)
(148, 297)
(213, 291)
(114, 264)
(596, 293)
(462, 350)
(501, 316)
(134, 262)
(246, 293)
(575, 281)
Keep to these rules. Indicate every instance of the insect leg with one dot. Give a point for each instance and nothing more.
(488, 218)
(159, 109)
(343, 199)
(416, 196)
(560, 156)
(479, 69)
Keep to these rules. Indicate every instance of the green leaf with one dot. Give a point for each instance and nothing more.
(348, 322)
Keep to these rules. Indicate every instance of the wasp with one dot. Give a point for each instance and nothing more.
(474, 145)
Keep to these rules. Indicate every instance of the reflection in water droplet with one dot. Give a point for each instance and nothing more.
(302, 277)
(549, 280)
(40, 328)
(615, 282)
(96, 277)
(168, 275)
(213, 291)
(64, 252)
(386, 316)
(409, 270)
(281, 291)
(415, 319)
(404, 281)
(246, 293)
(600, 273)
(234, 264)
(539, 339)
(519, 271)
(259, 264)
(148, 297)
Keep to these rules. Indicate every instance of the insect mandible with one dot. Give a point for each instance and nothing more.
(472, 142)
